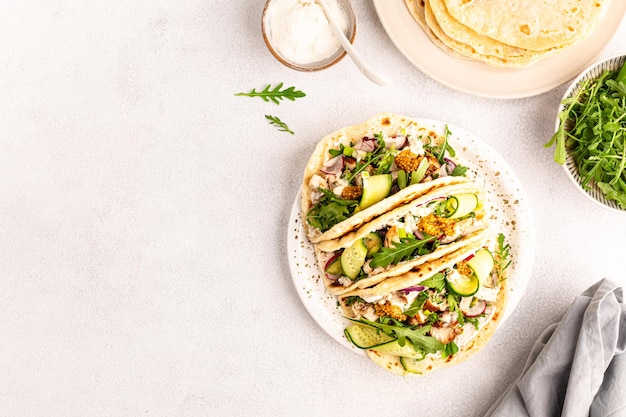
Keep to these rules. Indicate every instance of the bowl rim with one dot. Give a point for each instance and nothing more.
(352, 23)
(594, 194)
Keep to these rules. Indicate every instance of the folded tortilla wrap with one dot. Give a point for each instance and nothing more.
(399, 133)
(404, 292)
(410, 218)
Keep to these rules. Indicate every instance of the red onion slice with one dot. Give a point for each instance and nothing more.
(332, 259)
(333, 166)
(450, 165)
(412, 289)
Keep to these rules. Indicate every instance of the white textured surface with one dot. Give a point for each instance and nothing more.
(143, 214)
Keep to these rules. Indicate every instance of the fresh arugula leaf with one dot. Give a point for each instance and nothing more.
(275, 94)
(337, 152)
(407, 248)
(592, 126)
(474, 321)
(417, 304)
(380, 159)
(330, 210)
(442, 150)
(501, 259)
(282, 126)
(352, 299)
(453, 305)
(459, 171)
(416, 335)
(437, 281)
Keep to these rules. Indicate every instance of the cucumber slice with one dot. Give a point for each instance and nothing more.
(394, 348)
(410, 365)
(482, 264)
(460, 205)
(375, 188)
(366, 337)
(353, 258)
(462, 285)
(373, 242)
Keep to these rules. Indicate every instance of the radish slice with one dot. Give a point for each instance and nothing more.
(333, 166)
(367, 145)
(472, 307)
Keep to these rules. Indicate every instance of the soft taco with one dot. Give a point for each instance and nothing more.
(360, 172)
(427, 228)
(436, 315)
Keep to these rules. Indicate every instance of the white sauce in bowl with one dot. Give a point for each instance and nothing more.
(299, 31)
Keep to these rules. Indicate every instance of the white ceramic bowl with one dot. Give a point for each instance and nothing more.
(594, 71)
(348, 9)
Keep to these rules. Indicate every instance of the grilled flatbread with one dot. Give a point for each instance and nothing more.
(534, 25)
(503, 33)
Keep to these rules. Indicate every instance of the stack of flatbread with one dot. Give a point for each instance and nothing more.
(507, 33)
(403, 240)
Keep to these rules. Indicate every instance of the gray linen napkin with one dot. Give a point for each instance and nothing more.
(578, 366)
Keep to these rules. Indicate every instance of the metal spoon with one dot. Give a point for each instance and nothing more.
(356, 58)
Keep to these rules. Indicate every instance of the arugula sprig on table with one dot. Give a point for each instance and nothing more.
(275, 95)
(592, 125)
(282, 126)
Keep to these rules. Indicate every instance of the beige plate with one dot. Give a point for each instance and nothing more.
(506, 200)
(482, 80)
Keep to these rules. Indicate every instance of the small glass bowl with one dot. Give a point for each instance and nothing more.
(348, 9)
(594, 71)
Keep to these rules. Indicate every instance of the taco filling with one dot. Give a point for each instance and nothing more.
(433, 226)
(366, 170)
(434, 318)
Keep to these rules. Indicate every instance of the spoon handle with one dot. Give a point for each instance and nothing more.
(345, 43)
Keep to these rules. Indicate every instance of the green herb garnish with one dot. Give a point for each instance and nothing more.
(449, 349)
(404, 250)
(453, 305)
(381, 159)
(416, 335)
(417, 304)
(501, 259)
(275, 94)
(352, 299)
(330, 210)
(282, 126)
(592, 125)
(437, 281)
(444, 147)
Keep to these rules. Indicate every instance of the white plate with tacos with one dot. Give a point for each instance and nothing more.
(502, 202)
